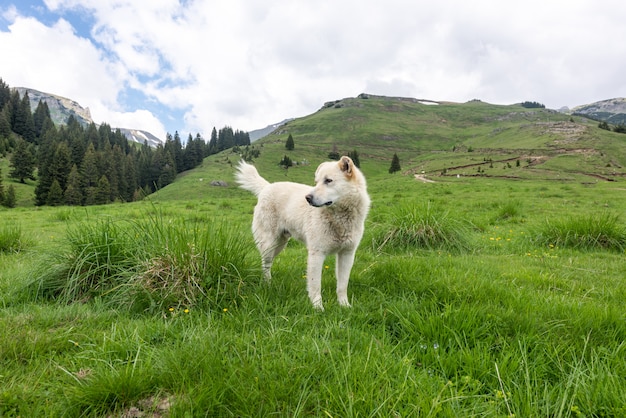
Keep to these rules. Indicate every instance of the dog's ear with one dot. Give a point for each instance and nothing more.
(346, 165)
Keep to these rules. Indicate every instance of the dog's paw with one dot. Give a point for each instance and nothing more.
(344, 302)
(318, 305)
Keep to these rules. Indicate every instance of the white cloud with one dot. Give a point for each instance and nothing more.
(248, 64)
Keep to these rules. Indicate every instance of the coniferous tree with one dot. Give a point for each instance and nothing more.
(23, 162)
(1, 185)
(77, 145)
(130, 182)
(5, 93)
(163, 167)
(89, 174)
(23, 119)
(39, 118)
(177, 152)
(73, 194)
(55, 194)
(45, 154)
(89, 167)
(354, 155)
(61, 164)
(241, 138)
(5, 122)
(289, 144)
(10, 200)
(395, 164)
(213, 142)
(286, 162)
(103, 191)
(225, 138)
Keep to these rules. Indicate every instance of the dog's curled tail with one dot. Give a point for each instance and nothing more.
(249, 178)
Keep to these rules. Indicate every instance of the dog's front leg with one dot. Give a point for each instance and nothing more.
(314, 278)
(345, 260)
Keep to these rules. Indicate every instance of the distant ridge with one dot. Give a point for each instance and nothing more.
(61, 108)
(263, 132)
(611, 110)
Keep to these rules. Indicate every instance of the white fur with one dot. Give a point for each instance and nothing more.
(328, 218)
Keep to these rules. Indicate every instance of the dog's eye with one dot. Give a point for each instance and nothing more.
(328, 181)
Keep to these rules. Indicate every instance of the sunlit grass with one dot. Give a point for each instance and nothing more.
(159, 309)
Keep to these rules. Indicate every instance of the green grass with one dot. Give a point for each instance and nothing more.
(594, 231)
(496, 294)
(11, 238)
(501, 324)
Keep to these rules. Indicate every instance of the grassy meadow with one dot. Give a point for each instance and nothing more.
(480, 296)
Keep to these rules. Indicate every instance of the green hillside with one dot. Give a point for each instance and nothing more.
(452, 136)
(442, 142)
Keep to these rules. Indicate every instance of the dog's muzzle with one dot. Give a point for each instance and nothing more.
(309, 198)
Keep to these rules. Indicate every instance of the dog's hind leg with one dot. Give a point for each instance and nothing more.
(345, 260)
(269, 252)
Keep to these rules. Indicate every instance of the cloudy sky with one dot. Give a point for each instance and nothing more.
(190, 65)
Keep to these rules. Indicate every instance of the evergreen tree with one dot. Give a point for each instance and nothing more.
(61, 164)
(225, 138)
(144, 168)
(73, 194)
(55, 194)
(92, 132)
(89, 168)
(24, 124)
(5, 122)
(177, 152)
(1, 185)
(76, 143)
(241, 138)
(118, 185)
(395, 164)
(213, 142)
(289, 144)
(103, 191)
(130, 176)
(5, 93)
(286, 162)
(39, 117)
(45, 154)
(23, 162)
(354, 155)
(10, 200)
(163, 167)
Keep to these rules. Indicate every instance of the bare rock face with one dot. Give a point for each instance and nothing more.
(611, 110)
(60, 107)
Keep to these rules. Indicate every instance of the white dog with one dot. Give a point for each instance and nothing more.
(328, 218)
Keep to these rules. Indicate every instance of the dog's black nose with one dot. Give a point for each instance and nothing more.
(309, 198)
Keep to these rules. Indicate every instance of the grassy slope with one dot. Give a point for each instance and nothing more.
(505, 327)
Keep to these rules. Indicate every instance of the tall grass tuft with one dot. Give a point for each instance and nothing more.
(183, 265)
(149, 265)
(97, 257)
(509, 210)
(11, 238)
(421, 227)
(587, 232)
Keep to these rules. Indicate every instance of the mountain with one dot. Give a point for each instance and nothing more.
(61, 108)
(446, 139)
(260, 133)
(612, 111)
